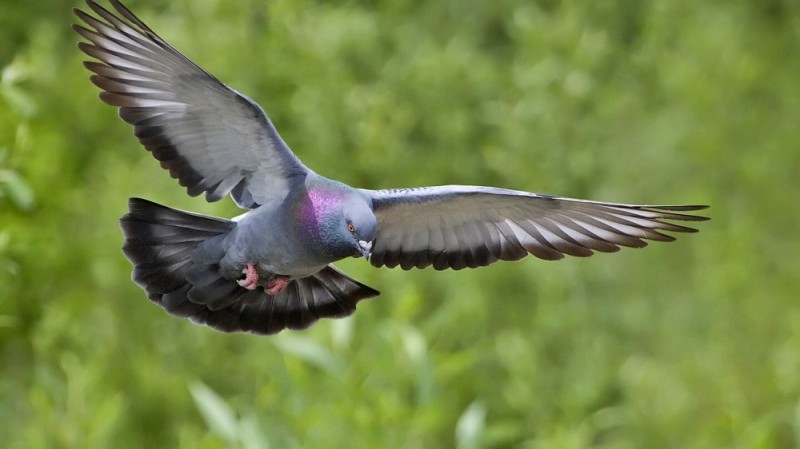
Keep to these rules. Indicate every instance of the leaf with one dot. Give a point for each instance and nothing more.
(14, 73)
(219, 416)
(309, 350)
(19, 100)
(469, 428)
(416, 348)
(341, 333)
(250, 434)
(18, 190)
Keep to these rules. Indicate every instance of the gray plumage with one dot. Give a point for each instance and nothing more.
(177, 258)
(271, 269)
(466, 227)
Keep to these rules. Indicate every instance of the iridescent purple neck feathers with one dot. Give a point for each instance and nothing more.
(333, 218)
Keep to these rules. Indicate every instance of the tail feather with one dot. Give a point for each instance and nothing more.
(217, 295)
(202, 275)
(176, 257)
(326, 294)
(160, 242)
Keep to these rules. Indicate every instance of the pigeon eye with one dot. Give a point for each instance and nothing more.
(350, 227)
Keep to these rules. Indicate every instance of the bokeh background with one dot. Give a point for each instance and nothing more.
(693, 344)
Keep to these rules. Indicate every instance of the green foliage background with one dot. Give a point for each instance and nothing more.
(694, 344)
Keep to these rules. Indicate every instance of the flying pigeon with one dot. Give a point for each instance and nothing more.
(271, 268)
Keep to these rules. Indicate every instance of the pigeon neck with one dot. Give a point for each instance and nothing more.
(319, 216)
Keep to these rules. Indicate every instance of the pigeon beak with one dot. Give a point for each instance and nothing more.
(366, 248)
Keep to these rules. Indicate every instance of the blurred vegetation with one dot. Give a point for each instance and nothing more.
(694, 344)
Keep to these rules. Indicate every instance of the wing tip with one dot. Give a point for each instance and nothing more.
(675, 212)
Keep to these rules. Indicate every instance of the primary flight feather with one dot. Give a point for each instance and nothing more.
(271, 268)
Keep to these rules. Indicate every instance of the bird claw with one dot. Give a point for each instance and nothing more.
(250, 279)
(276, 285)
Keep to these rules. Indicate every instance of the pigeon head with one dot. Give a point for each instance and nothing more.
(337, 221)
(360, 223)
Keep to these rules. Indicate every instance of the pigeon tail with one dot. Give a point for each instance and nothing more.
(176, 254)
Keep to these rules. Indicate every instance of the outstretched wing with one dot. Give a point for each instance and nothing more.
(465, 226)
(209, 137)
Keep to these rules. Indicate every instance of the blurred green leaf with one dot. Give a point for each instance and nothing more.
(19, 101)
(470, 425)
(308, 350)
(250, 434)
(17, 189)
(17, 98)
(14, 73)
(218, 415)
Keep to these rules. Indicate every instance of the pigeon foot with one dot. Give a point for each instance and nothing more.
(276, 285)
(250, 280)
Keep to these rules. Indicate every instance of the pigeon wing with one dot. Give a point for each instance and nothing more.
(465, 226)
(211, 138)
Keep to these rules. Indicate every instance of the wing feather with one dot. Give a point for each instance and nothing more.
(212, 139)
(465, 226)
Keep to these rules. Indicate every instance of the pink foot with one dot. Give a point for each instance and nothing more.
(250, 280)
(276, 285)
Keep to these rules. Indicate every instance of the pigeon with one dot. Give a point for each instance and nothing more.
(271, 268)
